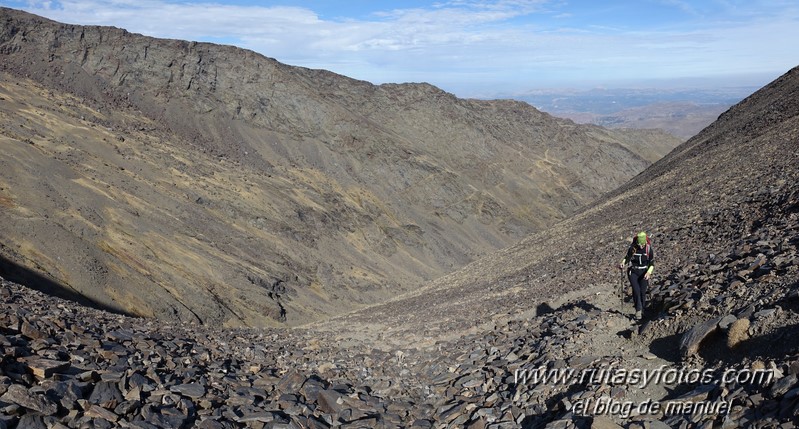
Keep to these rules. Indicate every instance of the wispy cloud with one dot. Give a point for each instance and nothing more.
(465, 45)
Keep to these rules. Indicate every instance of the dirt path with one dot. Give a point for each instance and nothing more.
(614, 337)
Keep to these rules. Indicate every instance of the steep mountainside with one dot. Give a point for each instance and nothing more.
(200, 182)
(723, 211)
(729, 185)
(717, 348)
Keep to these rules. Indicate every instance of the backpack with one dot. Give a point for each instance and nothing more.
(646, 249)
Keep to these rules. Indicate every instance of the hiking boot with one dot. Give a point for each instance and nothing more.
(638, 315)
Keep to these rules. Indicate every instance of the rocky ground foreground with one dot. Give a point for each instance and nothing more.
(701, 360)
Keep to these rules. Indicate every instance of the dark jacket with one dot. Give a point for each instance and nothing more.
(641, 257)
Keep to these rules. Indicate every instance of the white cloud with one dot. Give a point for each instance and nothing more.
(462, 44)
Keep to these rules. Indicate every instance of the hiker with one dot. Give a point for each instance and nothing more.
(641, 258)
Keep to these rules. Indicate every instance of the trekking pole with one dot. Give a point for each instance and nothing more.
(621, 288)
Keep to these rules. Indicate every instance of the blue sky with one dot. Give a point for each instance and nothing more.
(482, 48)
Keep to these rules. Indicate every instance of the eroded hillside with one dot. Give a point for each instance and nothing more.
(199, 182)
(716, 349)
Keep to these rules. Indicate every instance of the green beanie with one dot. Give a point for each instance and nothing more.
(641, 237)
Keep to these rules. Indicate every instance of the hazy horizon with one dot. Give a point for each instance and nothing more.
(482, 48)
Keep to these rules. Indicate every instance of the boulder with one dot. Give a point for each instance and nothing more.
(692, 339)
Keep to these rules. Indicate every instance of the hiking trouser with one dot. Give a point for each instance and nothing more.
(640, 285)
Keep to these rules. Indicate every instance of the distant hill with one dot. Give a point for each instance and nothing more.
(683, 120)
(682, 113)
(192, 181)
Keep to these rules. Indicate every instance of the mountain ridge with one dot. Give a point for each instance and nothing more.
(204, 182)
